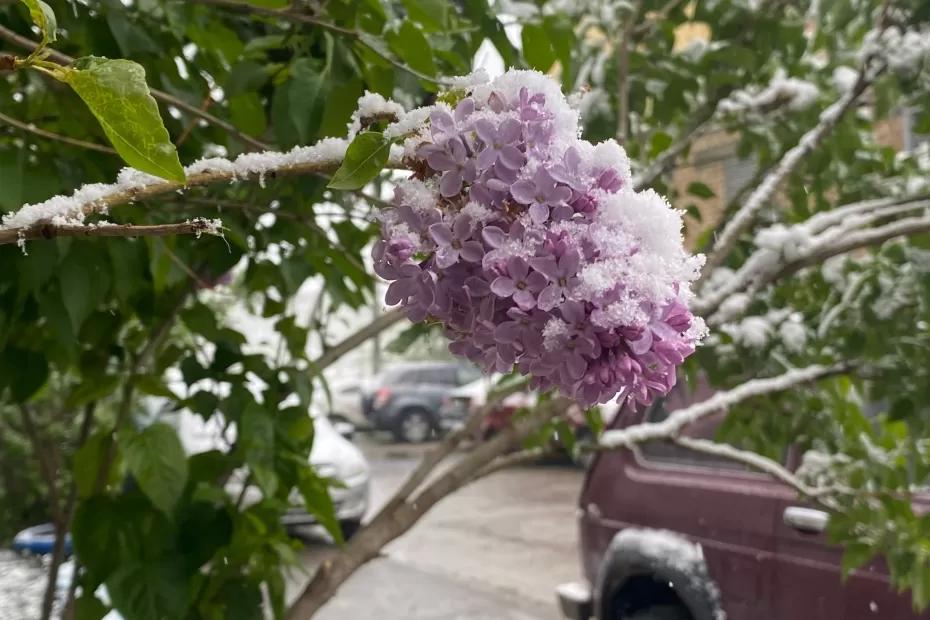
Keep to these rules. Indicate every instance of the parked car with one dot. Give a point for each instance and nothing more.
(39, 540)
(405, 398)
(332, 454)
(672, 534)
(460, 403)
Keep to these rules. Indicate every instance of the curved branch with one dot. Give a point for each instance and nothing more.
(42, 133)
(8, 35)
(745, 217)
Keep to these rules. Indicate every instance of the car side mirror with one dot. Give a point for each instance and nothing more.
(346, 429)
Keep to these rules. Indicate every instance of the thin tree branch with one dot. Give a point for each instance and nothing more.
(50, 135)
(51, 588)
(335, 352)
(529, 455)
(680, 418)
(133, 186)
(623, 75)
(699, 125)
(11, 37)
(197, 226)
(295, 16)
(752, 459)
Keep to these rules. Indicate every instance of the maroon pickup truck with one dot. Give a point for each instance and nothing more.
(669, 534)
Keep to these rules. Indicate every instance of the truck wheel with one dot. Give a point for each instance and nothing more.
(659, 612)
(413, 426)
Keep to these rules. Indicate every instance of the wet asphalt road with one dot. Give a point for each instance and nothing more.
(494, 550)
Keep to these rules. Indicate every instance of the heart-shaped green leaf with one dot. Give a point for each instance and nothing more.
(116, 92)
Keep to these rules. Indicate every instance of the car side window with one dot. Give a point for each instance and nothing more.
(467, 374)
(669, 453)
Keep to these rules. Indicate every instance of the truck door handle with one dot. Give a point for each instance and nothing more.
(808, 520)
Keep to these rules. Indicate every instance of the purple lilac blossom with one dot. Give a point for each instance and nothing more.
(532, 250)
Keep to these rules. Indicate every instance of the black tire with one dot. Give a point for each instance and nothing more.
(659, 612)
(413, 426)
(349, 527)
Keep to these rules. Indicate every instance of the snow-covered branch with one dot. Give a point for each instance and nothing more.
(677, 420)
(754, 460)
(60, 214)
(759, 197)
(784, 250)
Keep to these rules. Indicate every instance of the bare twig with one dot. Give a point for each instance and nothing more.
(197, 226)
(332, 354)
(623, 74)
(699, 125)
(50, 135)
(299, 17)
(11, 37)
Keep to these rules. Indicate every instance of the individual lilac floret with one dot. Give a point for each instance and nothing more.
(520, 283)
(532, 250)
(454, 242)
(498, 144)
(541, 194)
(561, 275)
(456, 165)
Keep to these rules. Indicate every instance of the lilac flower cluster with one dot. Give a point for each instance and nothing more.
(532, 249)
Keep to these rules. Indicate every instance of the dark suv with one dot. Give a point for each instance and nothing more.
(405, 398)
(674, 535)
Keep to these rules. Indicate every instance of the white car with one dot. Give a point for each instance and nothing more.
(332, 455)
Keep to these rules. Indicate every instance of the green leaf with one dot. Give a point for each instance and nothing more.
(116, 93)
(307, 97)
(44, 17)
(98, 529)
(854, 556)
(537, 47)
(157, 461)
(411, 45)
(365, 159)
(433, 15)
(87, 461)
(700, 190)
(155, 589)
(258, 445)
(89, 607)
(23, 371)
(248, 113)
(318, 502)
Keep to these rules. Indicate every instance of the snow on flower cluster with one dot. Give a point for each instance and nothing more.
(530, 247)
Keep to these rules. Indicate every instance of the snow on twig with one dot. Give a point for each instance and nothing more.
(680, 418)
(761, 195)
